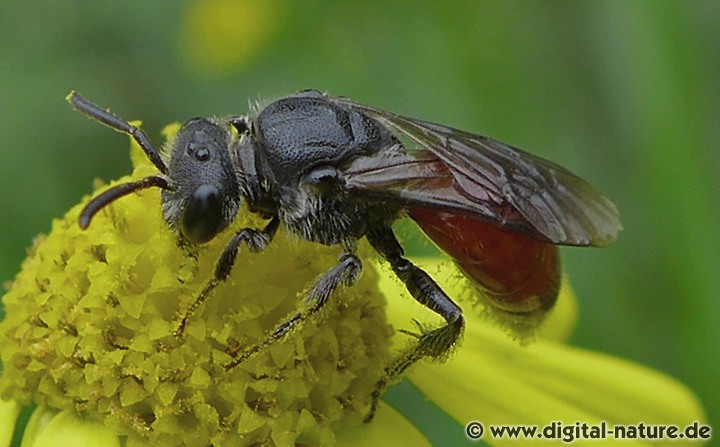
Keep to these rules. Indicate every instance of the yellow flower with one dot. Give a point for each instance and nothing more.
(88, 338)
(220, 37)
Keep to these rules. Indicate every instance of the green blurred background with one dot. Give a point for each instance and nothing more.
(626, 93)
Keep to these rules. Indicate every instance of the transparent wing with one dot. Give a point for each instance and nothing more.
(467, 173)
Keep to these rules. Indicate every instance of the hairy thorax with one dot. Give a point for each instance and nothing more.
(330, 220)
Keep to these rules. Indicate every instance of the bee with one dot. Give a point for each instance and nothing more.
(333, 171)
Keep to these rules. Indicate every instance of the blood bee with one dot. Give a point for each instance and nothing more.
(334, 171)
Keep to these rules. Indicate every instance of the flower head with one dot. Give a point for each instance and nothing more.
(91, 316)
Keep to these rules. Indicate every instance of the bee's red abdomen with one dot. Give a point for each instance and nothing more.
(518, 273)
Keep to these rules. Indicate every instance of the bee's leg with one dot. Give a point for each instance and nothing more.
(257, 241)
(436, 343)
(345, 273)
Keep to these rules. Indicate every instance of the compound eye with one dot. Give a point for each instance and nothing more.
(193, 121)
(203, 216)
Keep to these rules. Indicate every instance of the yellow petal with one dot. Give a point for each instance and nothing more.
(39, 419)
(49, 429)
(560, 323)
(387, 428)
(9, 410)
(495, 380)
